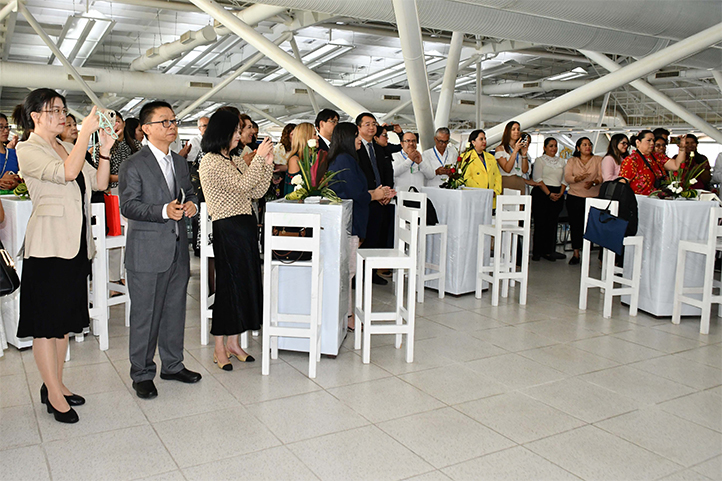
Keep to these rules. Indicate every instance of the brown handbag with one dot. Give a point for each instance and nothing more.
(289, 257)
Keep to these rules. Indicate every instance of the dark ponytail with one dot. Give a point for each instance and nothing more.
(36, 101)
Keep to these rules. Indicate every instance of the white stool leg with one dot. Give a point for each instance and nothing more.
(497, 270)
(526, 241)
(244, 340)
(707, 295)
(366, 351)
(636, 276)
(420, 267)
(400, 302)
(479, 264)
(410, 324)
(583, 285)
(507, 262)
(442, 265)
(359, 313)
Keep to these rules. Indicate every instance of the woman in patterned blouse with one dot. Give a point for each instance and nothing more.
(118, 154)
(644, 166)
(230, 185)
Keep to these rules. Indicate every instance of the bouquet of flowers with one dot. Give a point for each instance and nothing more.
(313, 178)
(680, 183)
(456, 174)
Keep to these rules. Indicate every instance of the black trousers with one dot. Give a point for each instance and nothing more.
(546, 215)
(575, 207)
(380, 227)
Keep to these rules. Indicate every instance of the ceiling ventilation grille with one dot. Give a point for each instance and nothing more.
(392, 97)
(300, 91)
(87, 78)
(467, 102)
(202, 85)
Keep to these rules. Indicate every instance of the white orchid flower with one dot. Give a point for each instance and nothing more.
(693, 181)
(312, 143)
(297, 180)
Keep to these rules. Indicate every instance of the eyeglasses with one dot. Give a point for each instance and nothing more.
(57, 111)
(165, 123)
(4, 127)
(369, 124)
(624, 143)
(332, 121)
(443, 142)
(412, 141)
(384, 135)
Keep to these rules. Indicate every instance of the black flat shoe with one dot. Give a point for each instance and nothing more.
(68, 417)
(536, 258)
(574, 261)
(559, 255)
(184, 375)
(377, 279)
(145, 389)
(549, 257)
(73, 399)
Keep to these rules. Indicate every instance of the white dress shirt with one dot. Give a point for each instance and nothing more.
(195, 148)
(408, 173)
(435, 159)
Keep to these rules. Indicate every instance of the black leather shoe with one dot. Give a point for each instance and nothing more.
(145, 389)
(73, 399)
(574, 261)
(559, 255)
(536, 258)
(184, 375)
(549, 257)
(68, 417)
(377, 279)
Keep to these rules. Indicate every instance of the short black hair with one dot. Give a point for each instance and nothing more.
(325, 115)
(343, 141)
(359, 118)
(119, 115)
(660, 131)
(36, 101)
(219, 133)
(380, 129)
(3, 116)
(146, 112)
(693, 137)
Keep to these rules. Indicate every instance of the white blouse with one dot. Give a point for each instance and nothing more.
(516, 170)
(549, 170)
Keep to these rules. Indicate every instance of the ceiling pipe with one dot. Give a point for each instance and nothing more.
(651, 92)
(512, 88)
(297, 53)
(155, 56)
(412, 47)
(273, 52)
(252, 15)
(263, 114)
(448, 85)
(231, 77)
(592, 90)
(54, 48)
(8, 9)
(718, 78)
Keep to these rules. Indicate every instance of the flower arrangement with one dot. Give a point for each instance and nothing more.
(22, 191)
(679, 183)
(456, 174)
(313, 178)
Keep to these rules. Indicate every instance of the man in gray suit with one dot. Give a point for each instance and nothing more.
(156, 258)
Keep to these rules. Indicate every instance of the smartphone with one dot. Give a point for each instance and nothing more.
(181, 197)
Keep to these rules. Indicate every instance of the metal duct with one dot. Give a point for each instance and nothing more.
(168, 51)
(578, 25)
(178, 87)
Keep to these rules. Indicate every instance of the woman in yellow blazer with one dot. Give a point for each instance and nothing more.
(482, 171)
(58, 241)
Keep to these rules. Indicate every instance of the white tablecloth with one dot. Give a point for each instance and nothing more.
(462, 211)
(12, 234)
(663, 223)
(294, 291)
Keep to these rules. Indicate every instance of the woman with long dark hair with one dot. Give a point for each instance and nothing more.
(616, 152)
(133, 135)
(644, 167)
(583, 175)
(229, 185)
(280, 163)
(58, 242)
(547, 200)
(512, 155)
(350, 183)
(483, 171)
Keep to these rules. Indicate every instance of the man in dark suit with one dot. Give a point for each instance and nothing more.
(326, 121)
(157, 259)
(378, 170)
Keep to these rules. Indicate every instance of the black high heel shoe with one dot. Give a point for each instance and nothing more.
(73, 399)
(68, 417)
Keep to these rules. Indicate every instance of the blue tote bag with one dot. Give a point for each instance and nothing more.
(605, 229)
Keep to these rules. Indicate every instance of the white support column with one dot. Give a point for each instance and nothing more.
(297, 53)
(54, 48)
(655, 61)
(443, 109)
(412, 46)
(265, 46)
(651, 92)
(250, 63)
(602, 111)
(263, 114)
(477, 101)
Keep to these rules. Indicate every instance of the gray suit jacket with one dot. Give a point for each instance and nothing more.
(151, 242)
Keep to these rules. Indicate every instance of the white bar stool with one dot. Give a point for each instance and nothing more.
(438, 270)
(118, 242)
(402, 260)
(206, 227)
(511, 220)
(611, 274)
(708, 249)
(98, 295)
(276, 324)
(510, 243)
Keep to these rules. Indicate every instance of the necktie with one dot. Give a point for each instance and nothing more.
(372, 156)
(168, 173)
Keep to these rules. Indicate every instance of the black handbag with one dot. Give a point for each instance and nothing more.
(289, 257)
(605, 229)
(9, 280)
(431, 217)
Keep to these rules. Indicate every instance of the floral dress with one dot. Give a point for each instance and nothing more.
(641, 178)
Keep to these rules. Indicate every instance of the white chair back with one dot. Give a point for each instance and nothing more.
(407, 234)
(509, 212)
(274, 224)
(508, 191)
(414, 197)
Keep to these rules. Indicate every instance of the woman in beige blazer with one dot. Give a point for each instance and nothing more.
(58, 242)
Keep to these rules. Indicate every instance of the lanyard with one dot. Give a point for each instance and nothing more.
(411, 169)
(446, 154)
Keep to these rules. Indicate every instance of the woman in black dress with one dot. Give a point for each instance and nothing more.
(58, 243)
(230, 185)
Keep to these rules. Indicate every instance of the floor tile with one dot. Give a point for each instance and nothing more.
(394, 360)
(360, 454)
(593, 454)
(454, 384)
(116, 455)
(560, 330)
(268, 465)
(465, 321)
(347, 368)
(583, 400)
(512, 313)
(595, 322)
(513, 338)
(659, 340)
(169, 476)
(431, 476)
(85, 353)
(678, 369)
(519, 417)
(515, 371)
(14, 391)
(703, 408)
(568, 359)
(711, 468)
(306, 416)
(18, 427)
(24, 464)
(689, 328)
(445, 436)
(685, 475)
(385, 399)
(639, 385)
(709, 355)
(207, 437)
(11, 362)
(83, 380)
(616, 349)
(508, 465)
(669, 436)
(459, 347)
(249, 386)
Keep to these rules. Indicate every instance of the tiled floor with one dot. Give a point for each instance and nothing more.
(540, 392)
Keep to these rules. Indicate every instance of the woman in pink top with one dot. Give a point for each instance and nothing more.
(583, 174)
(617, 151)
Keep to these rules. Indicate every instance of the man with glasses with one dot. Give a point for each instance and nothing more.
(442, 156)
(410, 169)
(157, 259)
(326, 121)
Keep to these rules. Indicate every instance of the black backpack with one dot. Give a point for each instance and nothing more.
(620, 190)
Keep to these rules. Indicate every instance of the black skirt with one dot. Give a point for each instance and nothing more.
(238, 303)
(54, 291)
